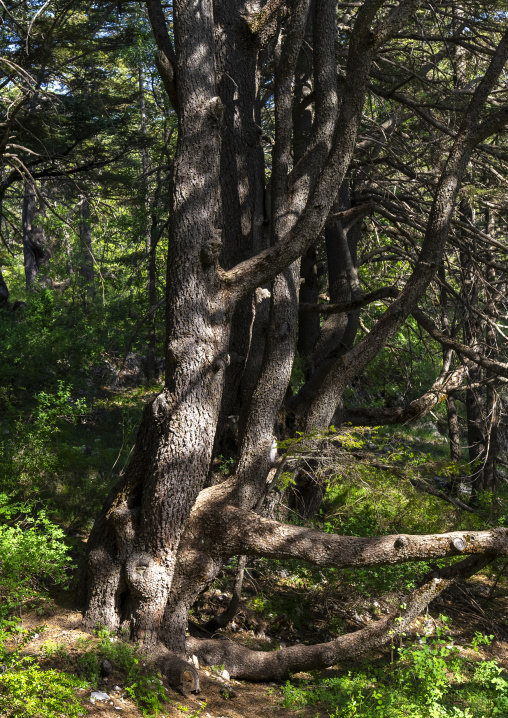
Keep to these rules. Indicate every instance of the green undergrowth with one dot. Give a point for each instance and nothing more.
(432, 678)
(49, 685)
(142, 684)
(28, 690)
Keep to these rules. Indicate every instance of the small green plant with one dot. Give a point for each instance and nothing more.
(142, 684)
(192, 712)
(226, 465)
(431, 679)
(54, 650)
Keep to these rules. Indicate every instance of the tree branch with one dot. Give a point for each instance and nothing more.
(374, 296)
(165, 59)
(378, 416)
(248, 533)
(499, 368)
(242, 662)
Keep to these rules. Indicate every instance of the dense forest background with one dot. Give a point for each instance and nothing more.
(415, 442)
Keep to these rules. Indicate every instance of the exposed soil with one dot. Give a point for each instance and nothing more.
(470, 606)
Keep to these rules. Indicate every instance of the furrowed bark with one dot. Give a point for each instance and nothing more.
(133, 546)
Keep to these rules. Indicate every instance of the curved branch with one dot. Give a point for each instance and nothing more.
(380, 416)
(242, 662)
(374, 296)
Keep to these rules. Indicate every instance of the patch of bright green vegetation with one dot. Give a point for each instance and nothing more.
(430, 679)
(28, 690)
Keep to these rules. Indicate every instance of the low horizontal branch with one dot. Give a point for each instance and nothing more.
(248, 533)
(374, 296)
(252, 665)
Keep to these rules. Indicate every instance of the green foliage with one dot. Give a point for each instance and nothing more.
(142, 684)
(29, 691)
(29, 455)
(32, 550)
(431, 679)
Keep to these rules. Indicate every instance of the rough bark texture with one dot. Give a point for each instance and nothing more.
(132, 549)
(161, 538)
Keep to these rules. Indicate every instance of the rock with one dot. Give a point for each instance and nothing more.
(99, 696)
(106, 668)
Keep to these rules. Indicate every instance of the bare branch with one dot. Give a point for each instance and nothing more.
(377, 416)
(382, 293)
(253, 535)
(499, 368)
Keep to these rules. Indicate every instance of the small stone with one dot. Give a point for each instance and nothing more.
(99, 696)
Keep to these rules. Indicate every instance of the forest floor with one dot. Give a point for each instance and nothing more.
(472, 608)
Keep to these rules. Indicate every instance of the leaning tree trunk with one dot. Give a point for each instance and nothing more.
(85, 235)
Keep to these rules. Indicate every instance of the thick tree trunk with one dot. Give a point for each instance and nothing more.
(132, 549)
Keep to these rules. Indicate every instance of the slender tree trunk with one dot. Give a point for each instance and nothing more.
(85, 235)
(243, 200)
(35, 251)
(451, 409)
(4, 292)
